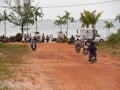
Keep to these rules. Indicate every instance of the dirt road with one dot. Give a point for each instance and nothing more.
(56, 66)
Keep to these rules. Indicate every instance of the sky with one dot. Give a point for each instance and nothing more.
(51, 10)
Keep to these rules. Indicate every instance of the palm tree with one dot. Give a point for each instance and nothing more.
(90, 18)
(38, 13)
(59, 22)
(67, 18)
(108, 25)
(84, 21)
(117, 18)
(28, 15)
(4, 18)
(94, 18)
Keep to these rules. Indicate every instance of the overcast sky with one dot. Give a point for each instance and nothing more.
(109, 9)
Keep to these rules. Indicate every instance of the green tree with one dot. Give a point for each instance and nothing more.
(22, 13)
(67, 18)
(117, 18)
(59, 22)
(90, 18)
(4, 18)
(108, 26)
(37, 13)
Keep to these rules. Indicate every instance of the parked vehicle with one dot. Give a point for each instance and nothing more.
(100, 39)
(92, 35)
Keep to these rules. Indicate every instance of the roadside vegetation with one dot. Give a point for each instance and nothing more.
(112, 46)
(9, 55)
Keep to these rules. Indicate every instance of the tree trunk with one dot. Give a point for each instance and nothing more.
(67, 30)
(94, 34)
(36, 25)
(22, 29)
(27, 29)
(107, 33)
(5, 27)
(60, 27)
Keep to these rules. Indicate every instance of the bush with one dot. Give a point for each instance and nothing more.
(18, 37)
(12, 38)
(114, 38)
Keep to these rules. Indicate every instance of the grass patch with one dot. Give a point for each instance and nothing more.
(111, 49)
(5, 88)
(5, 72)
(10, 54)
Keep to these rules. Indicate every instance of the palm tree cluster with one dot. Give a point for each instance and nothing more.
(23, 14)
(117, 18)
(89, 18)
(64, 20)
(109, 25)
(59, 22)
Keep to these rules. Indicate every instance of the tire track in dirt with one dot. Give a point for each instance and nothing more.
(56, 66)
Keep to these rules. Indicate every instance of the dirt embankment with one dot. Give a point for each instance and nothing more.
(56, 66)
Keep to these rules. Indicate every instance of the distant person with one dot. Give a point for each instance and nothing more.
(65, 38)
(24, 37)
(43, 37)
(77, 35)
(72, 39)
(3, 37)
(47, 38)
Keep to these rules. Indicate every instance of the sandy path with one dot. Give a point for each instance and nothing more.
(58, 67)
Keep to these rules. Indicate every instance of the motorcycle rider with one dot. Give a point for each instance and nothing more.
(33, 44)
(92, 50)
(78, 44)
(85, 46)
(72, 39)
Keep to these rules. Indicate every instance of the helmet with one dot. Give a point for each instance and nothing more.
(91, 43)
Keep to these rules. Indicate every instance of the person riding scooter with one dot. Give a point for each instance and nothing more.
(33, 44)
(78, 46)
(85, 47)
(92, 52)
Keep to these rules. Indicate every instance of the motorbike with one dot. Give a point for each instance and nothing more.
(92, 57)
(33, 45)
(77, 48)
(85, 50)
(71, 42)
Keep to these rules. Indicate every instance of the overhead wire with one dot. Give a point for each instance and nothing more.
(76, 5)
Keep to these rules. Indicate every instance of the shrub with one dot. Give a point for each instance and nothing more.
(114, 38)
(18, 37)
(12, 38)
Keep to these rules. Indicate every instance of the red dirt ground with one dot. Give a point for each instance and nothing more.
(56, 66)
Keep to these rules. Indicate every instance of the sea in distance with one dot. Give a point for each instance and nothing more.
(48, 27)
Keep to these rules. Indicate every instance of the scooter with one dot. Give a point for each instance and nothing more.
(92, 57)
(77, 48)
(33, 45)
(85, 50)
